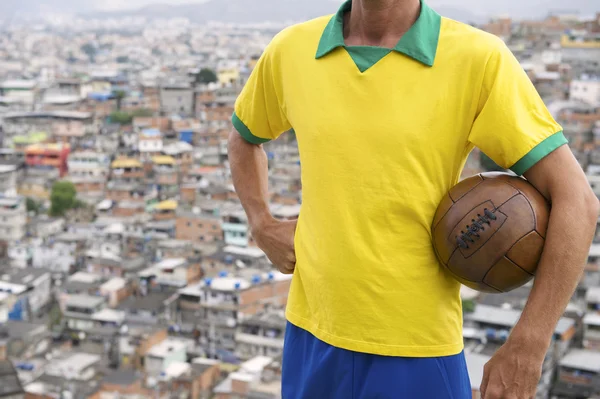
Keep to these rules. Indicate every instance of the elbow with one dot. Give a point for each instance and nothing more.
(590, 206)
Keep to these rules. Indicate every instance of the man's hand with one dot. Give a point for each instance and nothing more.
(513, 372)
(276, 239)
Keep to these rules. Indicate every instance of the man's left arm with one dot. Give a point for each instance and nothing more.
(515, 369)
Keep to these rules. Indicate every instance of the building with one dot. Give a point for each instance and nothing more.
(23, 92)
(247, 381)
(31, 288)
(19, 337)
(164, 354)
(581, 50)
(586, 89)
(591, 331)
(578, 375)
(166, 175)
(13, 218)
(177, 99)
(10, 386)
(216, 306)
(173, 272)
(127, 169)
(261, 335)
(182, 152)
(88, 163)
(490, 326)
(198, 226)
(115, 291)
(150, 143)
(8, 180)
(55, 256)
(134, 346)
(235, 227)
(44, 156)
(23, 123)
(165, 210)
(501, 27)
(44, 226)
(80, 309)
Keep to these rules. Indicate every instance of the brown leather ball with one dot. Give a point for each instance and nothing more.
(489, 231)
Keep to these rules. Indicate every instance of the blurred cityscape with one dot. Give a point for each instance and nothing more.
(127, 267)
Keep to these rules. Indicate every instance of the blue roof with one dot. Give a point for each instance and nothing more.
(100, 96)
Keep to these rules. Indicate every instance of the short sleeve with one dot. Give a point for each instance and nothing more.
(513, 125)
(258, 113)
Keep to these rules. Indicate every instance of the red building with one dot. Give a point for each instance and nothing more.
(48, 155)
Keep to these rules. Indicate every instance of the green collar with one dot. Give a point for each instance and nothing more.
(419, 43)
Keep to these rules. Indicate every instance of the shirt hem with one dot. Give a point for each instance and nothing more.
(539, 152)
(243, 130)
(374, 348)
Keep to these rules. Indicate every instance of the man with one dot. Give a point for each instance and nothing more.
(387, 99)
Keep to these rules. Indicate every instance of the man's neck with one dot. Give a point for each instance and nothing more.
(379, 22)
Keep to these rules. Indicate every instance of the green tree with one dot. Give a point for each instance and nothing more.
(62, 198)
(140, 112)
(206, 76)
(32, 206)
(119, 96)
(90, 50)
(122, 118)
(468, 305)
(54, 316)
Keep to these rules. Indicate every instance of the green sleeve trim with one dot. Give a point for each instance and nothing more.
(538, 152)
(245, 132)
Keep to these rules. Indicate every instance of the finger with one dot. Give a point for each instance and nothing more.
(291, 258)
(493, 393)
(287, 268)
(484, 381)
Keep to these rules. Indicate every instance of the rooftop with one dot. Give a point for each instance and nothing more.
(509, 317)
(126, 163)
(171, 263)
(169, 205)
(167, 346)
(74, 363)
(592, 319)
(113, 284)
(123, 377)
(163, 160)
(49, 114)
(84, 301)
(9, 381)
(109, 316)
(582, 359)
(18, 84)
(152, 302)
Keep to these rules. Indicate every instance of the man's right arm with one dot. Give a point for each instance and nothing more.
(249, 170)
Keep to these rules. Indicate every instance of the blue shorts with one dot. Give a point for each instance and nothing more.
(312, 369)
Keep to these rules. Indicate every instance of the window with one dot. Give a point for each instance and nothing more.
(201, 238)
(189, 224)
(200, 225)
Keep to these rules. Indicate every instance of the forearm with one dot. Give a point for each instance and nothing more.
(249, 170)
(568, 239)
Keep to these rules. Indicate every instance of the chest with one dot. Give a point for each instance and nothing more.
(396, 105)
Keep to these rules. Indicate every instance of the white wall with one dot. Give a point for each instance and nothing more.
(587, 91)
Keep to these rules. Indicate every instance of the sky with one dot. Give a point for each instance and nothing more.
(516, 8)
